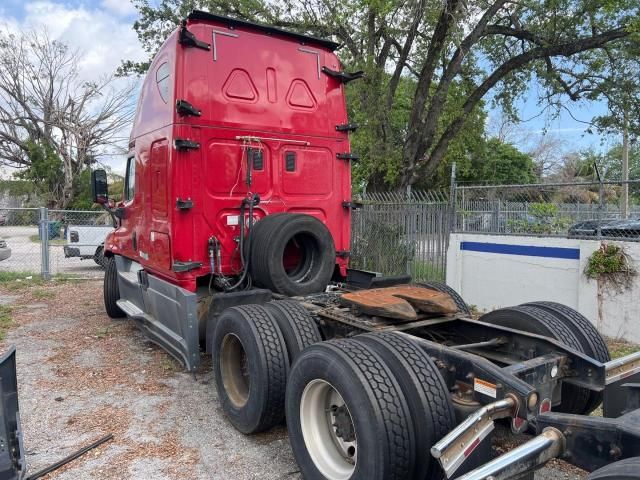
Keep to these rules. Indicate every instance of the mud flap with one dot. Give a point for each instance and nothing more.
(12, 464)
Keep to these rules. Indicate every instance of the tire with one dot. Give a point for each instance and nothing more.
(111, 290)
(299, 238)
(455, 296)
(296, 324)
(592, 342)
(248, 334)
(628, 469)
(432, 414)
(535, 320)
(98, 257)
(581, 326)
(375, 418)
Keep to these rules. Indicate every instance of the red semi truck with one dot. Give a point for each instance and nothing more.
(233, 238)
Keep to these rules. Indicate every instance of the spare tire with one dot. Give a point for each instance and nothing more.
(291, 254)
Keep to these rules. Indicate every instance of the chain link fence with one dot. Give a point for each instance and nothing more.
(47, 242)
(394, 234)
(591, 210)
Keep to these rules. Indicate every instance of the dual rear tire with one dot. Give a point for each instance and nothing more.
(570, 328)
(356, 408)
(253, 347)
(362, 408)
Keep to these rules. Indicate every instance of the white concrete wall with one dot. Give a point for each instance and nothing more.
(503, 277)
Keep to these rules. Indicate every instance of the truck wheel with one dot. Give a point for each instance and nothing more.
(628, 469)
(296, 324)
(111, 290)
(250, 367)
(98, 257)
(535, 320)
(592, 342)
(347, 416)
(432, 415)
(455, 296)
(292, 254)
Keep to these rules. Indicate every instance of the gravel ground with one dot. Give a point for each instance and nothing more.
(82, 375)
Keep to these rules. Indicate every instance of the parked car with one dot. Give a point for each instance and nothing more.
(86, 241)
(608, 227)
(5, 252)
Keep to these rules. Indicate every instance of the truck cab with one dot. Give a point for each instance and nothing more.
(228, 110)
(237, 176)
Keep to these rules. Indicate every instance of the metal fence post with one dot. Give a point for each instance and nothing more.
(600, 201)
(452, 200)
(44, 243)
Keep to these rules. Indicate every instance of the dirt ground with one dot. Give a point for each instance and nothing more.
(82, 375)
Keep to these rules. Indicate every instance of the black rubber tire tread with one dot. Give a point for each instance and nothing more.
(574, 399)
(110, 289)
(592, 342)
(627, 469)
(393, 440)
(268, 243)
(296, 324)
(99, 257)
(262, 232)
(584, 329)
(455, 296)
(273, 367)
(432, 414)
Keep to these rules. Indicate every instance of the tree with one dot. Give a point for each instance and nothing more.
(501, 164)
(44, 171)
(50, 118)
(473, 47)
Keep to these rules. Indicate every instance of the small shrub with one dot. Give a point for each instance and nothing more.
(612, 265)
(383, 248)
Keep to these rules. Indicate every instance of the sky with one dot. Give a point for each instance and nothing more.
(102, 30)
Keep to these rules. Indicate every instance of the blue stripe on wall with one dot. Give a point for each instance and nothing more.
(525, 250)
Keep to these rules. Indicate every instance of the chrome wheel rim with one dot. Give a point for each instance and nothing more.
(328, 431)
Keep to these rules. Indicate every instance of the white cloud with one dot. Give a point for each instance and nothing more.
(119, 7)
(102, 37)
(101, 34)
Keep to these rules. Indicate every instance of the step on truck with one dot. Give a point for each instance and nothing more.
(233, 239)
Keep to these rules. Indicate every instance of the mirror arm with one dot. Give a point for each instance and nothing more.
(112, 213)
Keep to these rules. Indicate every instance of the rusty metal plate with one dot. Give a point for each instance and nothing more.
(402, 302)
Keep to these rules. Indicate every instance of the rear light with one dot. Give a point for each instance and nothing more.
(3, 244)
(74, 237)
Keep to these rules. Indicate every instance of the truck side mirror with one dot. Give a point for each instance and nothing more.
(99, 187)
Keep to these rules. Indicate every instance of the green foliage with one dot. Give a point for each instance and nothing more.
(427, 271)
(45, 177)
(45, 172)
(82, 192)
(499, 163)
(5, 320)
(608, 259)
(420, 105)
(382, 249)
(17, 188)
(542, 219)
(611, 265)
